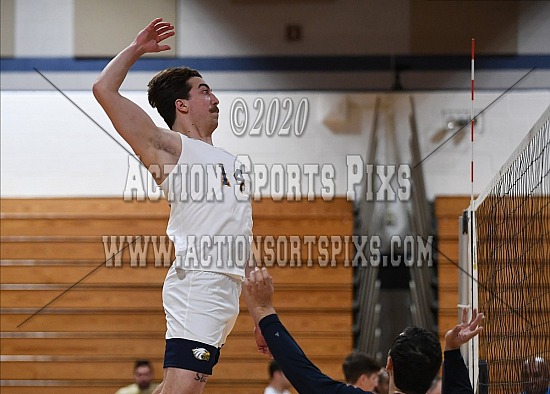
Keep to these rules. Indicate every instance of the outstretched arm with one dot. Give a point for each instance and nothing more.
(455, 373)
(130, 121)
(300, 371)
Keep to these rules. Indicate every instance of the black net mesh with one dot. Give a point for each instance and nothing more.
(513, 257)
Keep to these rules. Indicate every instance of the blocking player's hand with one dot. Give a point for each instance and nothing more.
(463, 332)
(258, 289)
(258, 293)
(150, 37)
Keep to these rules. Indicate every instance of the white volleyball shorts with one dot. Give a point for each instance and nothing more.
(201, 309)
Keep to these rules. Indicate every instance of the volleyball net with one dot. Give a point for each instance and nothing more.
(509, 271)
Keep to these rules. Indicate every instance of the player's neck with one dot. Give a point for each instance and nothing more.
(191, 130)
(194, 134)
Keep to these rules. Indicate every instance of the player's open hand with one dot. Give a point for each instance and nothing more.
(149, 38)
(463, 332)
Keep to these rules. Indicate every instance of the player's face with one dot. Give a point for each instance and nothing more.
(203, 105)
(371, 381)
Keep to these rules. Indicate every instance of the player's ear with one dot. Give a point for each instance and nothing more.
(181, 105)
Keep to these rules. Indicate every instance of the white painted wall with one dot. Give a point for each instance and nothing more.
(49, 148)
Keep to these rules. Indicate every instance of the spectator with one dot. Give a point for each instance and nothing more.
(361, 370)
(143, 376)
(278, 383)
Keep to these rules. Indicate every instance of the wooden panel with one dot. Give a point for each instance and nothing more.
(231, 369)
(451, 206)
(80, 226)
(109, 207)
(69, 274)
(447, 227)
(113, 298)
(115, 315)
(138, 346)
(157, 226)
(46, 321)
(447, 273)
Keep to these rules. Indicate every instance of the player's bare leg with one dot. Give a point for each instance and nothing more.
(181, 381)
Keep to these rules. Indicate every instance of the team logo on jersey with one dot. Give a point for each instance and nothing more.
(201, 353)
(225, 181)
(238, 175)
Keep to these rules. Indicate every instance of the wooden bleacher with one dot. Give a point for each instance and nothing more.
(88, 339)
(448, 211)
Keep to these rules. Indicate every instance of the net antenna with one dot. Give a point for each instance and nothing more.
(468, 277)
(509, 259)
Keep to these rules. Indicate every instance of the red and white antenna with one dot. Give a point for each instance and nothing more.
(472, 126)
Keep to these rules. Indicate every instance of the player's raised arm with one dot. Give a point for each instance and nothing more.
(130, 121)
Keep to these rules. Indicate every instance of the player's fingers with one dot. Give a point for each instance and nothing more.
(154, 22)
(258, 275)
(166, 32)
(475, 321)
(471, 334)
(265, 275)
(464, 315)
(456, 330)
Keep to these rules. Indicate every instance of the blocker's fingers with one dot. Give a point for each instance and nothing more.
(258, 274)
(265, 274)
(475, 321)
(474, 315)
(464, 315)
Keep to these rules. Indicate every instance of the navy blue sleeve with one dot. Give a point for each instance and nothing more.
(455, 374)
(300, 371)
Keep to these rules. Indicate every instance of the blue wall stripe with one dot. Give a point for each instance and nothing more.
(289, 63)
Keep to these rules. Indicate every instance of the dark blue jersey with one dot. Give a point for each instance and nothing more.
(308, 379)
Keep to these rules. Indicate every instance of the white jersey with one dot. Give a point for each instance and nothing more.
(210, 210)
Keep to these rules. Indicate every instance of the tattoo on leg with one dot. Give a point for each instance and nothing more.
(201, 377)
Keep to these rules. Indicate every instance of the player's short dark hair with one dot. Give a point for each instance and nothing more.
(143, 363)
(168, 86)
(359, 363)
(273, 367)
(416, 358)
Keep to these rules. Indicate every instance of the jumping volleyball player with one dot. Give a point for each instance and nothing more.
(201, 301)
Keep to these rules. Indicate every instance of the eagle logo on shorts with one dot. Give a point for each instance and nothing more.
(201, 353)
